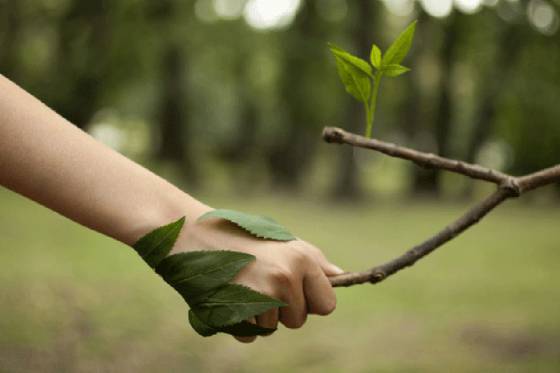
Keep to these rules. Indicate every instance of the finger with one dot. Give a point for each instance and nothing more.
(247, 339)
(269, 319)
(295, 313)
(319, 294)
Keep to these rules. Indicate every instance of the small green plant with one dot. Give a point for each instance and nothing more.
(362, 79)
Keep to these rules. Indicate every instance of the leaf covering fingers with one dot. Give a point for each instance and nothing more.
(242, 329)
(231, 304)
(203, 277)
(199, 271)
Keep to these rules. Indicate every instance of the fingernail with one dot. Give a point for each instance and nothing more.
(337, 270)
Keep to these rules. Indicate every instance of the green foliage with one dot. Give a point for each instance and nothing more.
(190, 272)
(375, 56)
(400, 47)
(199, 326)
(356, 82)
(157, 244)
(258, 226)
(357, 75)
(203, 277)
(352, 60)
(394, 70)
(230, 304)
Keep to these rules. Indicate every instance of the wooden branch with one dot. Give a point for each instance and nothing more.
(427, 160)
(508, 187)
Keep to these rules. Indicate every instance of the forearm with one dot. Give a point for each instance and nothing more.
(46, 158)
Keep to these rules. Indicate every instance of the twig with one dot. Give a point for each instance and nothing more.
(427, 160)
(508, 187)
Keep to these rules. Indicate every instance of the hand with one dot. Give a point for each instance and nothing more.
(46, 158)
(293, 271)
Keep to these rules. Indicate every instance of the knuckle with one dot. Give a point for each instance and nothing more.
(298, 254)
(312, 249)
(301, 254)
(281, 276)
(308, 248)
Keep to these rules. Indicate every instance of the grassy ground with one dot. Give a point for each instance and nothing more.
(72, 300)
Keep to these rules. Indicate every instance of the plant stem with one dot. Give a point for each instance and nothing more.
(370, 111)
(369, 120)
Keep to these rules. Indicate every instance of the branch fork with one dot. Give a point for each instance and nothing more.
(508, 186)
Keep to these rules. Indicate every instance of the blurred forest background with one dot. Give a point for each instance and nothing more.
(241, 89)
(228, 98)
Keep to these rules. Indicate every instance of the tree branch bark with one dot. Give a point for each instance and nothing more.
(508, 187)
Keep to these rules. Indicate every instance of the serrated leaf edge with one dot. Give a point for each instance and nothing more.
(247, 229)
(177, 226)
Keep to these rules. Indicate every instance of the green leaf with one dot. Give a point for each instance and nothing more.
(355, 73)
(232, 304)
(246, 329)
(242, 329)
(355, 61)
(375, 56)
(195, 272)
(400, 47)
(157, 244)
(199, 326)
(357, 83)
(394, 70)
(258, 226)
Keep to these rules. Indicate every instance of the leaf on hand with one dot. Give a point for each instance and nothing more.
(246, 329)
(400, 47)
(242, 329)
(157, 244)
(232, 304)
(202, 277)
(258, 226)
(394, 70)
(195, 272)
(375, 56)
(199, 326)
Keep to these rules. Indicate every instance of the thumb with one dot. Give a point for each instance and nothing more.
(328, 268)
(331, 269)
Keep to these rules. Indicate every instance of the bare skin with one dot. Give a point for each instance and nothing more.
(49, 160)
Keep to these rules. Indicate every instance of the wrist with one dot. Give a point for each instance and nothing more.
(168, 207)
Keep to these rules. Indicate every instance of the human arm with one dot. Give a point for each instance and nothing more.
(47, 159)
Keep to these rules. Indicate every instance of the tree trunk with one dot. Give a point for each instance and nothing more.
(290, 155)
(241, 145)
(172, 120)
(414, 118)
(83, 35)
(347, 185)
(10, 17)
(427, 182)
(510, 43)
